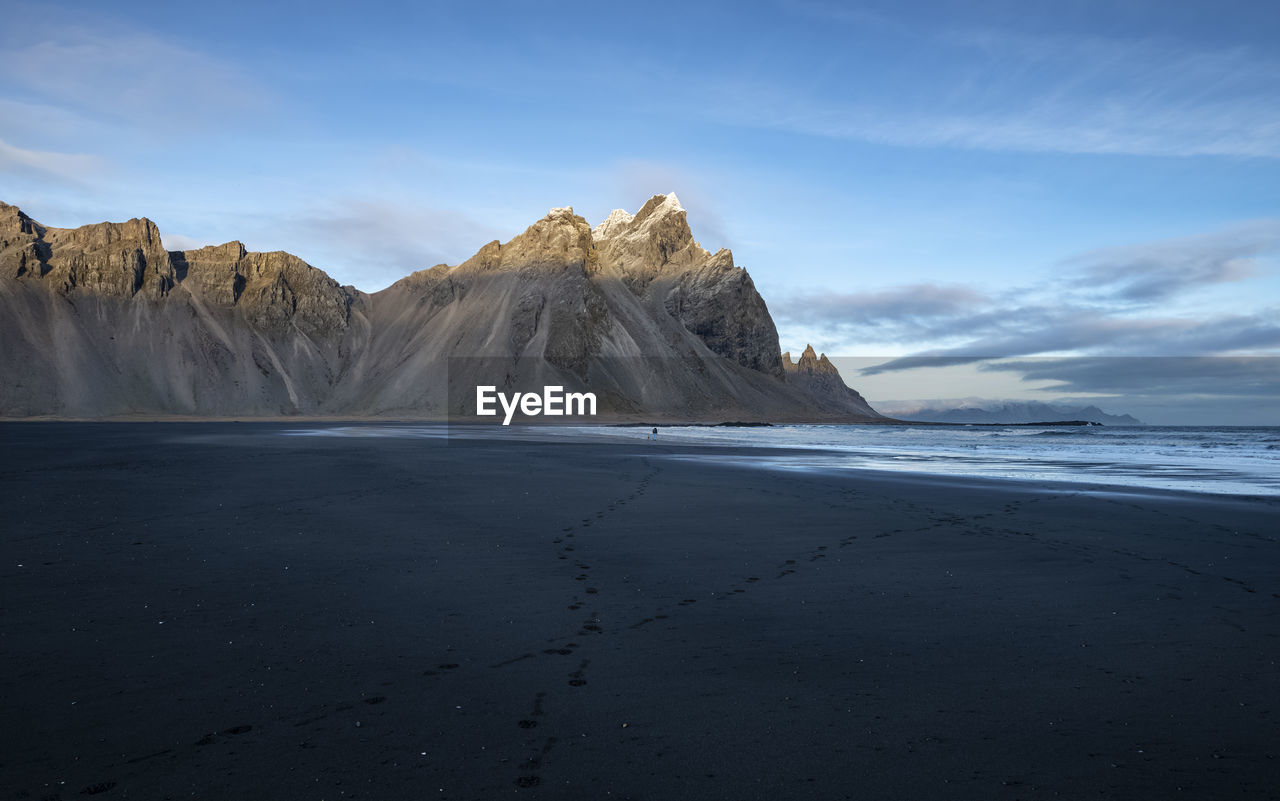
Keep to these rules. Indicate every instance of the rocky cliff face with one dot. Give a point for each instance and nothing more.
(818, 377)
(274, 290)
(102, 320)
(109, 259)
(655, 255)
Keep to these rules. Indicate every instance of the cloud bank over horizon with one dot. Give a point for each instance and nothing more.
(1120, 322)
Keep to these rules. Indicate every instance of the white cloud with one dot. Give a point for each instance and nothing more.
(1154, 271)
(372, 243)
(127, 76)
(181, 242)
(997, 90)
(72, 167)
(1113, 301)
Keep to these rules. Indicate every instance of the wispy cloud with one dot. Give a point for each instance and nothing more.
(124, 76)
(899, 314)
(1205, 376)
(1100, 305)
(1002, 90)
(1159, 270)
(1066, 329)
(69, 167)
(372, 243)
(183, 242)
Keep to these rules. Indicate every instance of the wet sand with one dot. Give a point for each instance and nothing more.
(218, 611)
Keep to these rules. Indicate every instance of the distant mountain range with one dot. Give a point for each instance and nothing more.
(102, 320)
(975, 410)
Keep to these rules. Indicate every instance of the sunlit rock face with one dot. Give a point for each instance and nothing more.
(655, 255)
(102, 320)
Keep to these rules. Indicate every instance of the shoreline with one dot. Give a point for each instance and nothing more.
(734, 455)
(600, 421)
(770, 456)
(241, 614)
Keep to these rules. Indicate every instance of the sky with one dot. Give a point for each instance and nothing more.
(1016, 200)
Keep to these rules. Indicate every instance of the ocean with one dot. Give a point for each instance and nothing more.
(1221, 460)
(1228, 460)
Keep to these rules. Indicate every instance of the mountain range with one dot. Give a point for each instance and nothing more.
(978, 410)
(103, 321)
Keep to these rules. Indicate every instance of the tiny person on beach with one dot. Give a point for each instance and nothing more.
(655, 433)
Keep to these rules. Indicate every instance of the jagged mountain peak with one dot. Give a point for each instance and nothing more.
(810, 362)
(655, 241)
(658, 209)
(664, 204)
(815, 374)
(641, 224)
(617, 220)
(560, 240)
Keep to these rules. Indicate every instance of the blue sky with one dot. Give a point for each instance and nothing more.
(962, 180)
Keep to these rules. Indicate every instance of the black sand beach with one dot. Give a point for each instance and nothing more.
(218, 611)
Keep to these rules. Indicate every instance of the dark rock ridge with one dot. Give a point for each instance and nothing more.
(102, 320)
